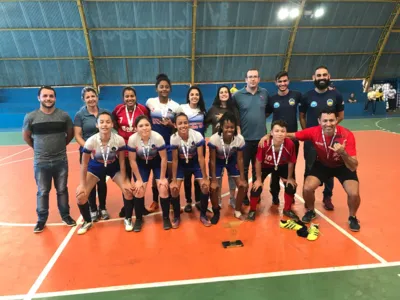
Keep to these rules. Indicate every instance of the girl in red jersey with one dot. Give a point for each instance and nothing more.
(125, 115)
(277, 154)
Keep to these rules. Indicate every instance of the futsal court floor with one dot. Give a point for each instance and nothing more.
(189, 262)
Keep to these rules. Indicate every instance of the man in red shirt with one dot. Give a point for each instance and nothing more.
(336, 157)
(278, 156)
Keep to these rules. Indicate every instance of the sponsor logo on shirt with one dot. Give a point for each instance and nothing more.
(313, 104)
(269, 157)
(329, 102)
(292, 101)
(319, 143)
(276, 105)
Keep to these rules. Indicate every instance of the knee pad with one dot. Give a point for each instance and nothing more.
(290, 190)
(256, 193)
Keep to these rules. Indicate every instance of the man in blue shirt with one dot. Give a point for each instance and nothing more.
(312, 103)
(251, 102)
(283, 106)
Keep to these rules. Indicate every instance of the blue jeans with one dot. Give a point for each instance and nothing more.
(45, 172)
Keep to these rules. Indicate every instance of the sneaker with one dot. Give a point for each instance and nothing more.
(175, 223)
(275, 200)
(290, 214)
(85, 227)
(206, 222)
(153, 207)
(69, 221)
(238, 215)
(290, 224)
(104, 214)
(328, 205)
(138, 225)
(313, 232)
(128, 224)
(251, 216)
(94, 215)
(39, 227)
(167, 224)
(309, 215)
(354, 224)
(188, 208)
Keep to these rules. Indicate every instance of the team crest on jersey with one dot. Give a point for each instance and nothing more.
(292, 101)
(329, 102)
(313, 104)
(269, 157)
(276, 105)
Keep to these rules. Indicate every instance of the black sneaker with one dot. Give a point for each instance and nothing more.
(69, 221)
(251, 216)
(310, 214)
(188, 208)
(138, 225)
(291, 214)
(275, 200)
(354, 224)
(167, 224)
(39, 227)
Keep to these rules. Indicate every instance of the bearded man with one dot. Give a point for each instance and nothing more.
(312, 103)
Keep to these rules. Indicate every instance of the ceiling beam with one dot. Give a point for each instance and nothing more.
(292, 37)
(198, 28)
(193, 57)
(189, 57)
(380, 46)
(87, 41)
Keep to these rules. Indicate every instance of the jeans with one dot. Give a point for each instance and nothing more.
(310, 156)
(45, 172)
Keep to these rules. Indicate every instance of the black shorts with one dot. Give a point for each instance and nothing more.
(282, 172)
(323, 173)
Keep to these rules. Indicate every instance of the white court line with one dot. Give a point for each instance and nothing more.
(383, 129)
(344, 232)
(35, 287)
(15, 154)
(210, 280)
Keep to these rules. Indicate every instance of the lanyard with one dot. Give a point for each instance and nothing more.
(104, 155)
(276, 162)
(147, 147)
(185, 148)
(223, 148)
(326, 148)
(130, 120)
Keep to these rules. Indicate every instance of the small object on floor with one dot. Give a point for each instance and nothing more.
(290, 224)
(233, 241)
(313, 232)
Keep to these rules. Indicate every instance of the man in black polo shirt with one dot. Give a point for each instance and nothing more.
(312, 102)
(283, 106)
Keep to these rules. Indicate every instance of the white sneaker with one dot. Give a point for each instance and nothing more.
(85, 227)
(128, 224)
